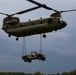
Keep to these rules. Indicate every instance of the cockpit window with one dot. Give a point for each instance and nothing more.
(10, 21)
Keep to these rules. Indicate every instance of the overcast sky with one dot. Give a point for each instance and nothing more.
(59, 47)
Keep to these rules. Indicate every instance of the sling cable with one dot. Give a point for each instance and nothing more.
(34, 55)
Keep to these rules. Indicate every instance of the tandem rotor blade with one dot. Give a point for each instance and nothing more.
(42, 5)
(25, 11)
(3, 14)
(48, 8)
(21, 12)
(58, 14)
(68, 11)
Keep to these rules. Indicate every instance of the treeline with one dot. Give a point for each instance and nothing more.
(19, 73)
(69, 73)
(37, 73)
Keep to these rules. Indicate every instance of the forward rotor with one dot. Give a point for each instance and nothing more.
(42, 5)
(48, 8)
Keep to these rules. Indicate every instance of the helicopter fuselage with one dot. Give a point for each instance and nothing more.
(16, 28)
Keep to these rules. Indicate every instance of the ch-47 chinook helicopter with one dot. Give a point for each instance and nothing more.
(13, 26)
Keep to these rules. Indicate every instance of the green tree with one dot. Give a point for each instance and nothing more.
(38, 73)
(57, 74)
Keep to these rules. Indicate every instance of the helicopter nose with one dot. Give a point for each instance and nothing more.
(64, 23)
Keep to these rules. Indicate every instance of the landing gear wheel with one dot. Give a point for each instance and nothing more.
(17, 39)
(29, 60)
(44, 36)
(43, 58)
(25, 60)
(39, 57)
(9, 35)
